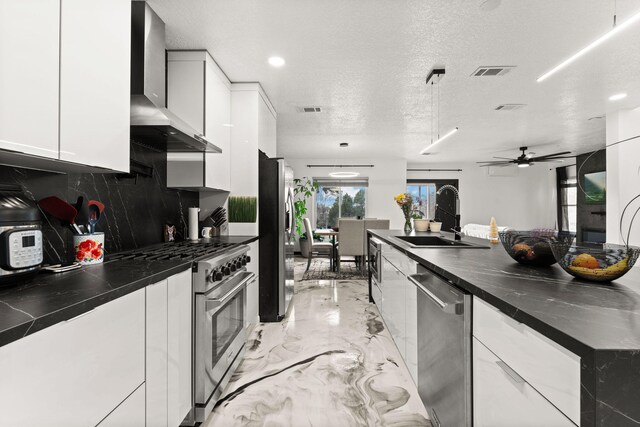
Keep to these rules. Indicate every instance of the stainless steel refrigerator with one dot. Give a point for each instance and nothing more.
(277, 231)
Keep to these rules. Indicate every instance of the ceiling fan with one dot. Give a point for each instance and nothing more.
(526, 159)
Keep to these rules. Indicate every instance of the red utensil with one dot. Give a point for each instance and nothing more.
(58, 208)
(98, 204)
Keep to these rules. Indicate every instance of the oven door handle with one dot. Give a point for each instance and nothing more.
(213, 303)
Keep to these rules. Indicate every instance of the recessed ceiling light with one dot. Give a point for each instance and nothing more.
(616, 29)
(343, 174)
(276, 61)
(617, 96)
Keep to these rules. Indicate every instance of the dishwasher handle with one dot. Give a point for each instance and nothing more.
(453, 306)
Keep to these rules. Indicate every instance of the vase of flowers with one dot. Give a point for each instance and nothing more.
(405, 201)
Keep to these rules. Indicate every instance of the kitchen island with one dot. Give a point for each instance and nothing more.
(599, 323)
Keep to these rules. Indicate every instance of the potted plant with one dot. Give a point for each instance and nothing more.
(243, 208)
(420, 223)
(303, 191)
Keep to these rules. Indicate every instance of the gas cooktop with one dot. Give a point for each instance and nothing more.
(170, 251)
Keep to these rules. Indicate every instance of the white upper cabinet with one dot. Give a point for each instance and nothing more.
(199, 93)
(95, 58)
(29, 65)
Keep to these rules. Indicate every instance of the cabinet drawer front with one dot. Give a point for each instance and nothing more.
(399, 260)
(501, 399)
(75, 372)
(550, 368)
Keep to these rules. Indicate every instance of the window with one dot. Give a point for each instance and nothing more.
(337, 199)
(567, 199)
(424, 195)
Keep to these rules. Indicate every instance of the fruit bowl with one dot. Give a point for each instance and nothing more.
(595, 262)
(532, 247)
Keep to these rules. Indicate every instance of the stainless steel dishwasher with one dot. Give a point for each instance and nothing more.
(444, 349)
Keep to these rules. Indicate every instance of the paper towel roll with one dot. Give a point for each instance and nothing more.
(193, 224)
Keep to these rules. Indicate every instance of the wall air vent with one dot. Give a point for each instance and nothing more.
(492, 71)
(310, 109)
(509, 107)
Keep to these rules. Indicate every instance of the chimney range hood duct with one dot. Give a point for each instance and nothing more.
(151, 122)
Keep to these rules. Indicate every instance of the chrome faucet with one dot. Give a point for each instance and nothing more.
(457, 228)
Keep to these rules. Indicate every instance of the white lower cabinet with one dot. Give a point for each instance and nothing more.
(130, 413)
(411, 333)
(157, 354)
(76, 372)
(550, 368)
(393, 311)
(179, 347)
(501, 398)
(168, 343)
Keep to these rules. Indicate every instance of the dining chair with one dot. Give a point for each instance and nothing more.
(316, 247)
(350, 235)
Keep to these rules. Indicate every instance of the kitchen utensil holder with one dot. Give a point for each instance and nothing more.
(89, 248)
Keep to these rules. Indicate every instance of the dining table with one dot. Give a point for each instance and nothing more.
(329, 232)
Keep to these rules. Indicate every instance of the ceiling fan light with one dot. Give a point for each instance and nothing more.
(523, 165)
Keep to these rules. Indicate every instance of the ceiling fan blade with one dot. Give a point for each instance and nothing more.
(497, 162)
(498, 165)
(552, 155)
(503, 158)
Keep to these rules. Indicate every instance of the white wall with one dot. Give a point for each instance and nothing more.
(623, 172)
(387, 179)
(525, 200)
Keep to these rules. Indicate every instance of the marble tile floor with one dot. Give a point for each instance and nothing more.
(331, 362)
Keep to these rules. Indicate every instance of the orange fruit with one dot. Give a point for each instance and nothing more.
(585, 261)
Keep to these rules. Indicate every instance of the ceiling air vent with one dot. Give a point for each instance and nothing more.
(310, 109)
(492, 71)
(509, 107)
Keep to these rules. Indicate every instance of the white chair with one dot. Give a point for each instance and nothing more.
(317, 248)
(351, 236)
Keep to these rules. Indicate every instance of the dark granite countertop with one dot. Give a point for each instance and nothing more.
(51, 298)
(598, 322)
(580, 315)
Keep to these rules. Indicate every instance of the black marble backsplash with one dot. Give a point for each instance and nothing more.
(136, 206)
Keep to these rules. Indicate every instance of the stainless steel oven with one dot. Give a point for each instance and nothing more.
(219, 330)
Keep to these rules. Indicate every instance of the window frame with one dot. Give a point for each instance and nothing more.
(340, 183)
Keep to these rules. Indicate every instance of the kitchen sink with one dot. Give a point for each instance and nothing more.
(437, 242)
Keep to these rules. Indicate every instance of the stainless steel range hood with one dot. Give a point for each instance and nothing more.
(151, 122)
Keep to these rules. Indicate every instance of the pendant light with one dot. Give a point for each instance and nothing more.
(430, 78)
(617, 28)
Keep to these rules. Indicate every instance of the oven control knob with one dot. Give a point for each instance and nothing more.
(216, 276)
(232, 266)
(243, 260)
(238, 263)
(247, 258)
(226, 271)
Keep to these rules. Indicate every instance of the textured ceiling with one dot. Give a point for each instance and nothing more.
(365, 63)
